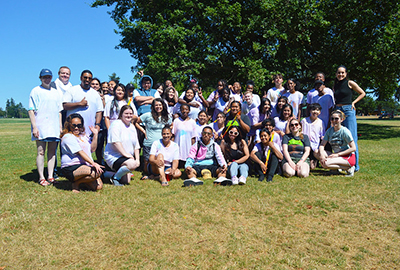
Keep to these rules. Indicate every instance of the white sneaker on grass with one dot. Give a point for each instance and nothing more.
(192, 182)
(235, 180)
(223, 181)
(350, 172)
(242, 180)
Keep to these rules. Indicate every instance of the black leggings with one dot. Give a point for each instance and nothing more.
(273, 163)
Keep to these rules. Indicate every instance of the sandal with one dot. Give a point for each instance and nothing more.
(164, 184)
(44, 183)
(52, 181)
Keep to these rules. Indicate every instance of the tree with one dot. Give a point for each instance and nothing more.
(15, 111)
(367, 105)
(114, 77)
(241, 40)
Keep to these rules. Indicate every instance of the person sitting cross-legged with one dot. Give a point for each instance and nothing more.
(205, 158)
(164, 158)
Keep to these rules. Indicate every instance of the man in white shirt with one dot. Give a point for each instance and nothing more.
(84, 100)
(62, 82)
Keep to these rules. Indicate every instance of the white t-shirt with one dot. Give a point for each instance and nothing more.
(46, 104)
(119, 132)
(280, 125)
(71, 145)
(170, 153)
(273, 94)
(76, 94)
(184, 131)
(295, 100)
(314, 130)
(115, 112)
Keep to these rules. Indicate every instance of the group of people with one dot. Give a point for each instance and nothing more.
(221, 136)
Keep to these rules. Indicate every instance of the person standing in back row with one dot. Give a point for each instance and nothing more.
(84, 100)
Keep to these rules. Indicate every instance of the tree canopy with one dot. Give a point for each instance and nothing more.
(14, 110)
(241, 40)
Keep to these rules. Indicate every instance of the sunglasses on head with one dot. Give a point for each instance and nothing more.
(234, 133)
(77, 125)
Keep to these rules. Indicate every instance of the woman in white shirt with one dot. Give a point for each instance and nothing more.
(77, 164)
(122, 150)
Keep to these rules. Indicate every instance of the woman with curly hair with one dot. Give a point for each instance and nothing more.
(77, 164)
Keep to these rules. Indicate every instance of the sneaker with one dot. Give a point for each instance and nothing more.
(350, 172)
(235, 180)
(55, 176)
(192, 182)
(223, 181)
(261, 177)
(242, 180)
(115, 182)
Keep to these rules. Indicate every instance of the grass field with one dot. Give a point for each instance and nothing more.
(323, 221)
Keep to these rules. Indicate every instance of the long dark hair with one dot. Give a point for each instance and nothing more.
(166, 96)
(228, 143)
(68, 125)
(276, 105)
(261, 108)
(164, 112)
(283, 108)
(114, 102)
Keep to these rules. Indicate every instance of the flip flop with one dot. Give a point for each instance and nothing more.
(164, 184)
(44, 183)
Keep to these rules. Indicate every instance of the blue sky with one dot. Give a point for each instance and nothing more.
(50, 34)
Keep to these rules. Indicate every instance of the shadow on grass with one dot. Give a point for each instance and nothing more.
(33, 177)
(374, 132)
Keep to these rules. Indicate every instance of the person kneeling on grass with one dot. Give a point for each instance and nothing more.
(343, 146)
(205, 155)
(122, 149)
(76, 161)
(164, 157)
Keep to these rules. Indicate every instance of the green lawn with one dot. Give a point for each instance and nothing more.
(323, 221)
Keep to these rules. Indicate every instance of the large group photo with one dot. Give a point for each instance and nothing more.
(229, 147)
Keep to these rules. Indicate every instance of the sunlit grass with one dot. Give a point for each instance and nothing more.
(323, 221)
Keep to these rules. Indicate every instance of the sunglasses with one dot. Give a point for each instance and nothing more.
(335, 118)
(234, 133)
(294, 125)
(77, 126)
(207, 133)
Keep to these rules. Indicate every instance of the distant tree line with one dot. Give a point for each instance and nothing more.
(13, 110)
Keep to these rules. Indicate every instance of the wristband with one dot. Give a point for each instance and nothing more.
(97, 124)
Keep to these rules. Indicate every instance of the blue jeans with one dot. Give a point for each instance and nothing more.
(351, 123)
(242, 168)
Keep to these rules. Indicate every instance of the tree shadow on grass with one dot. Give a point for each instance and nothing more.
(374, 132)
(32, 176)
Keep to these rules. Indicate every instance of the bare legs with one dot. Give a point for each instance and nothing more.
(51, 158)
(302, 170)
(86, 174)
(159, 167)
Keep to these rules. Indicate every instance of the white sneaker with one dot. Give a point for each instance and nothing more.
(192, 182)
(235, 180)
(223, 181)
(242, 180)
(350, 172)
